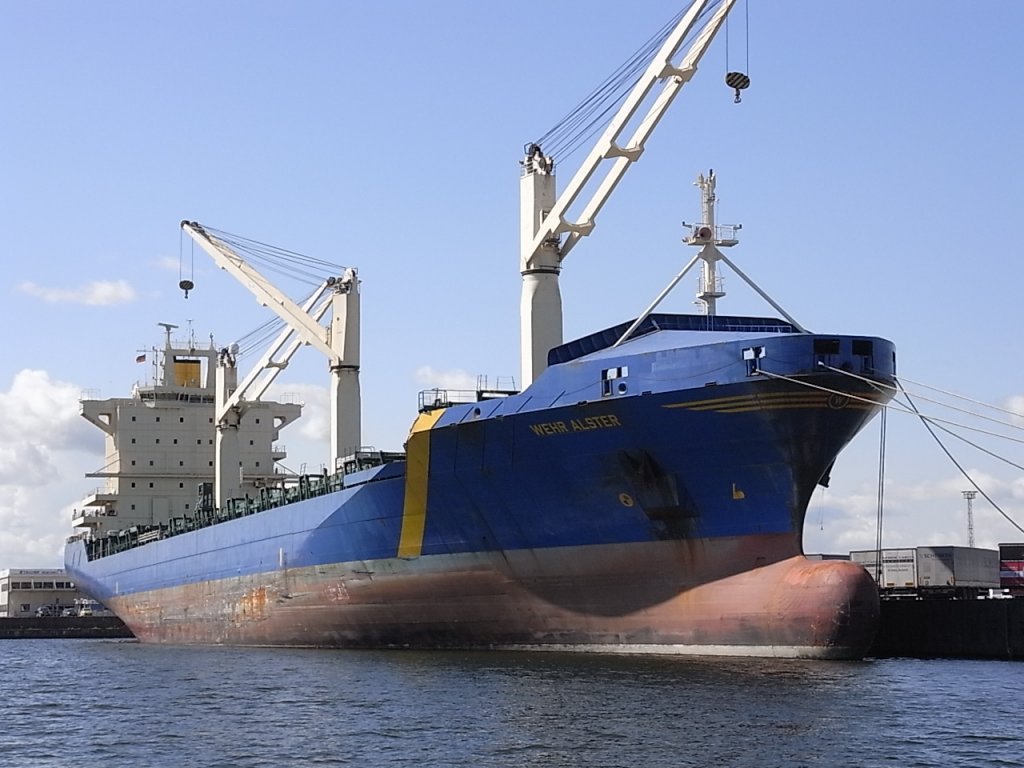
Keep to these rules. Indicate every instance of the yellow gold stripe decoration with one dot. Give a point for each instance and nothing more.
(778, 400)
(417, 467)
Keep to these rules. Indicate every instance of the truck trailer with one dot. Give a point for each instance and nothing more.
(959, 572)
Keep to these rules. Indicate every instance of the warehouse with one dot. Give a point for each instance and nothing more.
(38, 592)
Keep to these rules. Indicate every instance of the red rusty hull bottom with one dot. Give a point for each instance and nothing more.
(678, 597)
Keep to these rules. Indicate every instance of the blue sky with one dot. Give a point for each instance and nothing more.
(873, 163)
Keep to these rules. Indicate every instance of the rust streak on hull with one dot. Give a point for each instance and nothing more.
(651, 597)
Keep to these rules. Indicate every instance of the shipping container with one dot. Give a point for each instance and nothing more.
(898, 571)
(953, 568)
(1011, 567)
(934, 571)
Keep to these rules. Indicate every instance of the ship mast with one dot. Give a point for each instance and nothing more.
(705, 234)
(709, 236)
(544, 217)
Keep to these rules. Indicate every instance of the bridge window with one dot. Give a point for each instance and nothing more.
(751, 355)
(824, 350)
(864, 349)
(612, 381)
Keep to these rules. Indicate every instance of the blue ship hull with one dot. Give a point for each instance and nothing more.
(642, 497)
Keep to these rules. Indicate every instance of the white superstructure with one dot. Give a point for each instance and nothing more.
(159, 445)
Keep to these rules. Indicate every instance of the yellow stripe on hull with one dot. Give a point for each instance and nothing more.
(417, 467)
(777, 401)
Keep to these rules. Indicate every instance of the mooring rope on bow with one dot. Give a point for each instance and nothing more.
(928, 421)
(892, 405)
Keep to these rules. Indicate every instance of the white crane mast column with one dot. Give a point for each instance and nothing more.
(541, 255)
(346, 427)
(339, 343)
(230, 405)
(269, 365)
(228, 454)
(540, 311)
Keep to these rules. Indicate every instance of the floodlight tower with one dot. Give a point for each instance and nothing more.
(969, 495)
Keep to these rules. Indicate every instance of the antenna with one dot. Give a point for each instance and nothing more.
(969, 495)
(168, 327)
(706, 234)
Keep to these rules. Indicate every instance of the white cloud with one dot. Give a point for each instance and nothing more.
(916, 514)
(1016, 406)
(169, 264)
(96, 293)
(45, 449)
(453, 379)
(32, 529)
(40, 411)
(25, 464)
(43, 412)
(316, 408)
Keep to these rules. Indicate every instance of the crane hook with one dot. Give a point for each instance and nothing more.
(737, 81)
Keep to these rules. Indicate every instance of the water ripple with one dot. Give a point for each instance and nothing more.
(99, 703)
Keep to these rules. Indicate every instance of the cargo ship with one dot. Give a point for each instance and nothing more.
(644, 492)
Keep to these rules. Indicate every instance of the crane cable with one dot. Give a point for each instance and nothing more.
(578, 126)
(291, 264)
(260, 336)
(738, 81)
(186, 284)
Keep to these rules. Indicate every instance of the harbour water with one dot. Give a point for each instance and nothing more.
(88, 703)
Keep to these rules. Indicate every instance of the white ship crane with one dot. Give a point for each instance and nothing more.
(339, 342)
(546, 233)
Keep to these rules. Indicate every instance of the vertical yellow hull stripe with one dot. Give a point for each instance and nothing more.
(417, 467)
